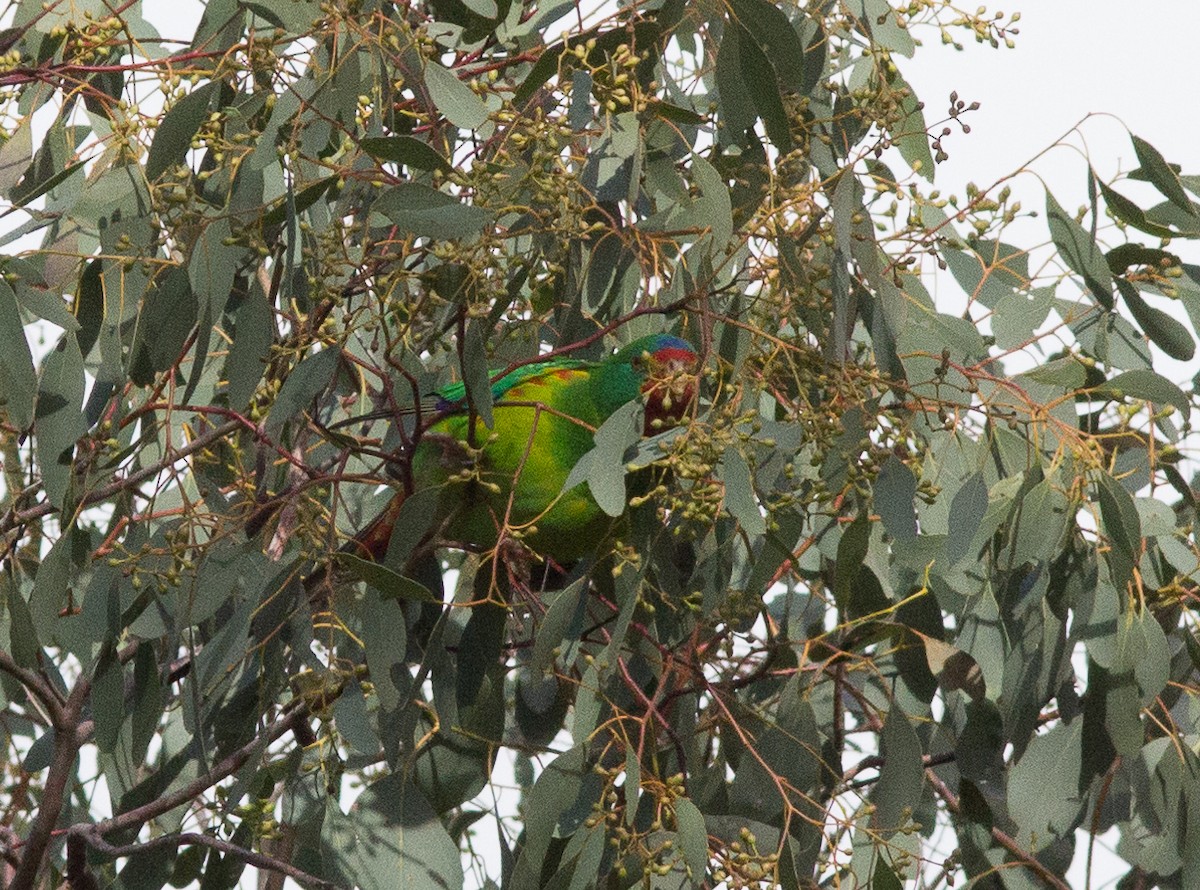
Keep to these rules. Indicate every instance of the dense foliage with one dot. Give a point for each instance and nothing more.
(880, 609)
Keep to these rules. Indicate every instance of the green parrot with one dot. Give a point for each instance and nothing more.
(544, 415)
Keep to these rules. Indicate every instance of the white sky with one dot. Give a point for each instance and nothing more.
(1131, 66)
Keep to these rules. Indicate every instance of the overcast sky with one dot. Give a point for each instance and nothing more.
(1130, 65)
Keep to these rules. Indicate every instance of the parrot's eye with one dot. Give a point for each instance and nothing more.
(640, 362)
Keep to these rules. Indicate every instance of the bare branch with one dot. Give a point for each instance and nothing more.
(88, 833)
(37, 686)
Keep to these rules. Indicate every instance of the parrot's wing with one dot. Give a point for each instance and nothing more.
(454, 396)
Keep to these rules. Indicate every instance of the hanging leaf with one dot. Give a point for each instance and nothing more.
(454, 98)
(406, 150)
(1161, 174)
(895, 489)
(1080, 252)
(1169, 335)
(18, 379)
(303, 384)
(58, 420)
(173, 138)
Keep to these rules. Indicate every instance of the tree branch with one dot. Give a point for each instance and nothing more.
(227, 767)
(67, 741)
(36, 685)
(88, 833)
(14, 518)
(1008, 842)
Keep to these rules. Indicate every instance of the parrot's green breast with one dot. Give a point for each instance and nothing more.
(513, 474)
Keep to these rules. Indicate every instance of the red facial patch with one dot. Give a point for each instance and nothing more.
(670, 387)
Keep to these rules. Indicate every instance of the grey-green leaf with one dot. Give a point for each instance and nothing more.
(895, 489)
(303, 384)
(1162, 175)
(420, 210)
(1080, 252)
(454, 98)
(899, 787)
(1142, 383)
(18, 379)
(406, 150)
(174, 135)
(390, 584)
(739, 493)
(966, 514)
(59, 417)
(693, 838)
(603, 468)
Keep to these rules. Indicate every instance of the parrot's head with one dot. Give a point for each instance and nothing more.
(667, 367)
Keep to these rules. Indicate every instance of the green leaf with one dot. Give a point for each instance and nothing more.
(1121, 523)
(479, 648)
(306, 381)
(292, 204)
(352, 721)
(881, 23)
(540, 706)
(212, 267)
(901, 776)
(966, 515)
(895, 489)
(406, 150)
(693, 838)
(18, 379)
(108, 700)
(910, 134)
(385, 644)
(167, 317)
(1043, 786)
(391, 584)
(420, 210)
(760, 81)
(1163, 177)
(59, 420)
(173, 138)
(1064, 373)
(1041, 521)
(476, 376)
(1121, 257)
(393, 838)
(560, 784)
(739, 493)
(47, 306)
(851, 551)
(1152, 666)
(254, 332)
(566, 611)
(603, 468)
(737, 109)
(147, 704)
(454, 98)
(1080, 251)
(786, 749)
(1142, 383)
(15, 155)
(1129, 212)
(1169, 335)
(776, 37)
